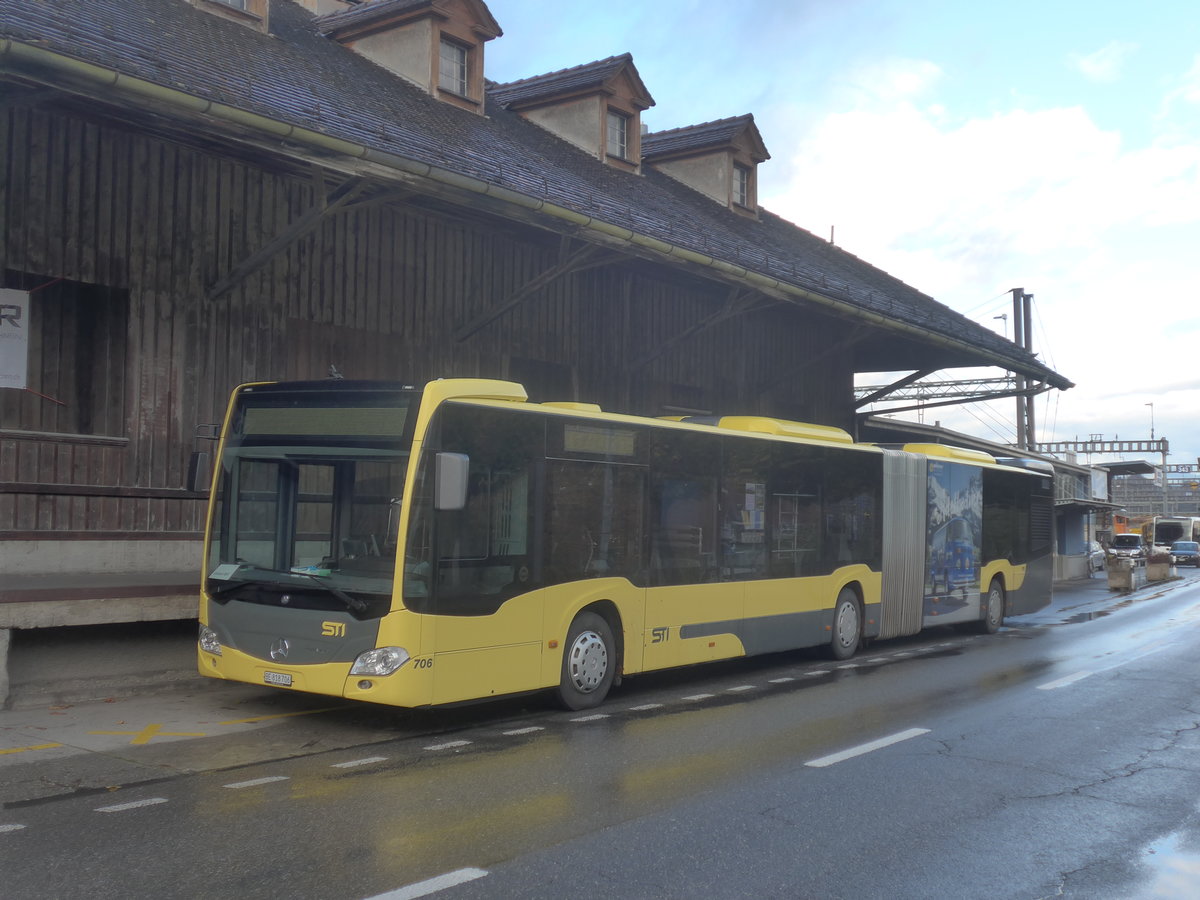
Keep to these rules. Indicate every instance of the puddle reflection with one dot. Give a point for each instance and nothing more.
(1176, 868)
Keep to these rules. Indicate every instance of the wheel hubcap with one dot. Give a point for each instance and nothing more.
(587, 662)
(847, 625)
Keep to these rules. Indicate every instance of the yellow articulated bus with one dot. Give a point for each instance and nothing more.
(422, 546)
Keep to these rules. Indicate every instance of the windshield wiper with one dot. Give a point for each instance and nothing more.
(226, 588)
(352, 603)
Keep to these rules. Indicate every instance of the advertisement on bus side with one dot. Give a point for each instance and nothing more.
(954, 524)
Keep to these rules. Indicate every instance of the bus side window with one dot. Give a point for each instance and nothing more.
(483, 552)
(853, 526)
(744, 510)
(683, 508)
(794, 513)
(594, 520)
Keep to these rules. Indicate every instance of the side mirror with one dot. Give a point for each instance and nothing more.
(450, 480)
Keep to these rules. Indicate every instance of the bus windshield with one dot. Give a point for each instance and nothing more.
(308, 494)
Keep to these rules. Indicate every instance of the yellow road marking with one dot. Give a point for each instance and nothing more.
(306, 712)
(35, 747)
(152, 731)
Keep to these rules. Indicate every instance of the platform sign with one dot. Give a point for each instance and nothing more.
(14, 339)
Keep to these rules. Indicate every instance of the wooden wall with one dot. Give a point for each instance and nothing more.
(377, 291)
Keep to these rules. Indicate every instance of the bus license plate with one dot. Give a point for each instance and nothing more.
(277, 678)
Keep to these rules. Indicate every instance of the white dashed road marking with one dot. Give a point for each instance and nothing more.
(6, 828)
(592, 718)
(1063, 682)
(359, 762)
(449, 745)
(866, 748)
(136, 804)
(432, 885)
(255, 782)
(530, 730)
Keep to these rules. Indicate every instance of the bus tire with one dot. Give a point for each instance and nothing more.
(993, 616)
(847, 625)
(589, 662)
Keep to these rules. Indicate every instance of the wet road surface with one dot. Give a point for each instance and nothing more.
(1058, 758)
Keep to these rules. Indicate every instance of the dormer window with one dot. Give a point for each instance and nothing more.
(719, 159)
(595, 106)
(452, 67)
(741, 185)
(618, 135)
(435, 44)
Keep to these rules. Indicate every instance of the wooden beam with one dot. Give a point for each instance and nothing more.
(737, 302)
(569, 262)
(338, 200)
(31, 97)
(856, 335)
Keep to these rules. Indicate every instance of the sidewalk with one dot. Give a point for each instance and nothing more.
(85, 663)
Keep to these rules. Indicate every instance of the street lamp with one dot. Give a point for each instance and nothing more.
(1151, 405)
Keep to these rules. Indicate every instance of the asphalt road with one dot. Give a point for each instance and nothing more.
(1058, 758)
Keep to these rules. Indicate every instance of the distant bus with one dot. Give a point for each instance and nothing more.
(424, 546)
(1163, 531)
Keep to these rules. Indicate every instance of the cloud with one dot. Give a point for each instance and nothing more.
(1105, 64)
(894, 80)
(967, 207)
(1186, 91)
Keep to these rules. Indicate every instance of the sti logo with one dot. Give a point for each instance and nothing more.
(10, 316)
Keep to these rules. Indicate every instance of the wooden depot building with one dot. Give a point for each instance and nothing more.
(199, 193)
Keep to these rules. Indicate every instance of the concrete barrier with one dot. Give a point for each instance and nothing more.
(1126, 574)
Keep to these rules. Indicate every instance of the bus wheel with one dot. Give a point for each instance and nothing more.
(993, 618)
(589, 663)
(847, 625)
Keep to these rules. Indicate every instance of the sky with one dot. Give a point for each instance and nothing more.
(967, 149)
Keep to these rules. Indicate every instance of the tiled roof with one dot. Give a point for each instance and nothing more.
(720, 133)
(298, 77)
(565, 81)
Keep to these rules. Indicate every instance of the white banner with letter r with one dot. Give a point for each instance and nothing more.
(14, 339)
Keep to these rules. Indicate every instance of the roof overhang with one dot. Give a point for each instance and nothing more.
(108, 85)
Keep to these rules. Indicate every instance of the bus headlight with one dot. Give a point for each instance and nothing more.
(380, 661)
(209, 642)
